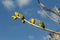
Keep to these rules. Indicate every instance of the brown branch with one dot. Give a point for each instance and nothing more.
(49, 30)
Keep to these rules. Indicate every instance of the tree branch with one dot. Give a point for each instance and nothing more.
(49, 30)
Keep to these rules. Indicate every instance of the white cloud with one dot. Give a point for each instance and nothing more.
(56, 9)
(23, 2)
(42, 13)
(57, 18)
(8, 4)
(52, 37)
(29, 10)
(47, 37)
(53, 16)
(31, 37)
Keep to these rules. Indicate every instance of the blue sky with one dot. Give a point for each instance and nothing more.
(16, 30)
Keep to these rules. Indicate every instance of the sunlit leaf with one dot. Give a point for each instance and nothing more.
(16, 14)
(14, 17)
(41, 23)
(32, 21)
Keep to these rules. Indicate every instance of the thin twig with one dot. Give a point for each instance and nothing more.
(46, 8)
